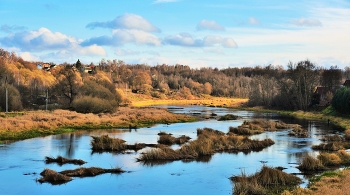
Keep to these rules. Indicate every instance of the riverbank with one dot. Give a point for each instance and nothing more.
(42, 123)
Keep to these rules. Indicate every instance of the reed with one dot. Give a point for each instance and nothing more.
(106, 143)
(53, 177)
(61, 160)
(310, 163)
(170, 140)
(267, 181)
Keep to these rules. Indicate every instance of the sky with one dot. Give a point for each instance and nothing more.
(197, 33)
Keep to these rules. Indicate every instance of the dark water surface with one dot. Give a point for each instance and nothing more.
(21, 162)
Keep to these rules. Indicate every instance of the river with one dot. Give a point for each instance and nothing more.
(21, 162)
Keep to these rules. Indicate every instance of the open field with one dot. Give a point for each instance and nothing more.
(40, 123)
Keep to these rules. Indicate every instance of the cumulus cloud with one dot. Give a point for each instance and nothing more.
(185, 39)
(29, 57)
(38, 40)
(209, 25)
(9, 29)
(306, 22)
(122, 36)
(44, 40)
(126, 21)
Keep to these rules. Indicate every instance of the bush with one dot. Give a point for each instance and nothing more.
(14, 98)
(341, 101)
(89, 104)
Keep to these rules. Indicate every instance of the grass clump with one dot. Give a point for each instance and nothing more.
(258, 126)
(267, 181)
(310, 163)
(208, 142)
(168, 139)
(53, 177)
(61, 160)
(107, 143)
(228, 117)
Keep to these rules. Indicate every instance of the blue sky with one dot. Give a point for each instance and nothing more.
(198, 33)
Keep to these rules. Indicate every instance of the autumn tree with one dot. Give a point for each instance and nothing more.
(331, 78)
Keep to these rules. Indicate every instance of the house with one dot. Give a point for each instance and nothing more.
(320, 96)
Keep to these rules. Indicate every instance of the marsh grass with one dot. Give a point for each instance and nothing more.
(333, 146)
(61, 160)
(310, 163)
(267, 181)
(106, 143)
(207, 143)
(53, 177)
(228, 117)
(324, 161)
(258, 126)
(168, 139)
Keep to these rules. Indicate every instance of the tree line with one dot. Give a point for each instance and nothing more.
(73, 86)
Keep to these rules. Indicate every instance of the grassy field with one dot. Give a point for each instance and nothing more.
(41, 123)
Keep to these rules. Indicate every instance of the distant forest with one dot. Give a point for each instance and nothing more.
(74, 85)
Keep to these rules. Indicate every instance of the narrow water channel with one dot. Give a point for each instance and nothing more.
(22, 161)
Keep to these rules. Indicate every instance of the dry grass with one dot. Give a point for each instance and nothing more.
(60, 160)
(333, 146)
(39, 123)
(324, 160)
(106, 143)
(337, 182)
(141, 101)
(298, 131)
(168, 139)
(310, 163)
(258, 126)
(208, 142)
(267, 181)
(54, 177)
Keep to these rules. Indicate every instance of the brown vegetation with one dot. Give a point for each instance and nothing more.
(267, 181)
(170, 140)
(37, 123)
(60, 160)
(208, 142)
(258, 126)
(54, 177)
(324, 161)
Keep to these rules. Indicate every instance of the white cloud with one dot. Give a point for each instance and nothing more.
(135, 36)
(209, 25)
(38, 40)
(126, 21)
(27, 56)
(306, 22)
(92, 50)
(185, 39)
(214, 50)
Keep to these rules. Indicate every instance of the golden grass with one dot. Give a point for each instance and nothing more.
(142, 101)
(105, 143)
(310, 163)
(170, 140)
(39, 123)
(337, 182)
(258, 126)
(267, 181)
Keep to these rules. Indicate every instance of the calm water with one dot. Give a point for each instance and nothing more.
(21, 162)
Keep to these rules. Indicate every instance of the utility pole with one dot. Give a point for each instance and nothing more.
(7, 97)
(47, 98)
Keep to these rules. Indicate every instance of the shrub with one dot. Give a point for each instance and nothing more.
(89, 104)
(341, 101)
